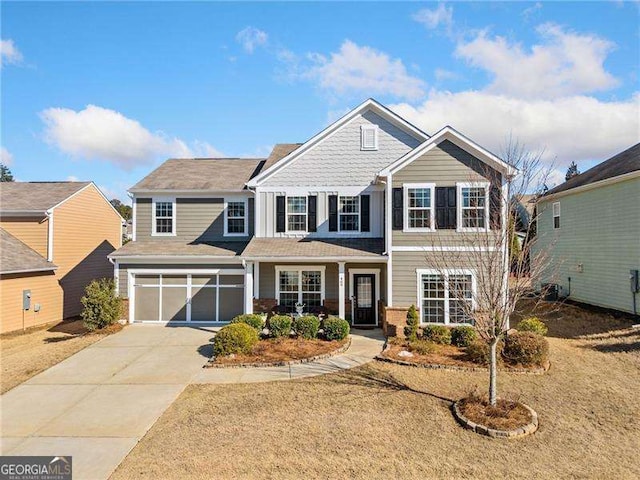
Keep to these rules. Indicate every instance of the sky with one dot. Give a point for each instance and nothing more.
(107, 91)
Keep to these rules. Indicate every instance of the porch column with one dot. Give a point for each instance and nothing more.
(341, 290)
(248, 288)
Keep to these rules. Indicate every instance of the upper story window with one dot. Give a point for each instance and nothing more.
(368, 137)
(419, 212)
(474, 207)
(164, 216)
(296, 214)
(235, 217)
(556, 215)
(349, 214)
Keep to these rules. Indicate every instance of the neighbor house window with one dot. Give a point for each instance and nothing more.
(164, 216)
(296, 214)
(556, 215)
(446, 297)
(300, 285)
(419, 211)
(474, 207)
(368, 137)
(235, 217)
(349, 214)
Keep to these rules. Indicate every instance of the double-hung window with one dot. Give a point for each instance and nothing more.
(473, 207)
(419, 212)
(235, 217)
(556, 215)
(300, 285)
(297, 214)
(164, 216)
(349, 214)
(446, 297)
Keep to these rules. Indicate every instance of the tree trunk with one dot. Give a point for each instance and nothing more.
(493, 372)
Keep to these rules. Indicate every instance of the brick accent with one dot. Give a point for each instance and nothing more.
(264, 305)
(394, 320)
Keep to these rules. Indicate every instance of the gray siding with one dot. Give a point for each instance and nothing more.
(338, 160)
(268, 279)
(599, 229)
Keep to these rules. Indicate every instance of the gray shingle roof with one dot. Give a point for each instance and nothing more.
(280, 150)
(624, 162)
(35, 196)
(314, 247)
(16, 256)
(163, 247)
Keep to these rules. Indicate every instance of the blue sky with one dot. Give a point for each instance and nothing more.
(106, 91)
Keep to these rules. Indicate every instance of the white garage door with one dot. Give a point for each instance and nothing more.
(187, 297)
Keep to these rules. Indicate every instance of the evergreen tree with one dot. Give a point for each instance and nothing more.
(5, 174)
(572, 171)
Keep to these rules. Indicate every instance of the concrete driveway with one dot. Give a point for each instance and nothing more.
(97, 404)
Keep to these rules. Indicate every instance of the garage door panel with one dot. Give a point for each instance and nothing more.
(203, 304)
(174, 304)
(147, 303)
(231, 303)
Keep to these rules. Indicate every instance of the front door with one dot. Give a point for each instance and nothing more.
(364, 301)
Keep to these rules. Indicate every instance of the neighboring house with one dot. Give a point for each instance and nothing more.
(55, 239)
(345, 222)
(591, 226)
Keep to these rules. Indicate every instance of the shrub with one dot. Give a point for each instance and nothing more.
(463, 335)
(252, 319)
(526, 348)
(422, 347)
(102, 307)
(306, 326)
(478, 352)
(532, 324)
(280, 326)
(411, 330)
(234, 338)
(437, 334)
(336, 328)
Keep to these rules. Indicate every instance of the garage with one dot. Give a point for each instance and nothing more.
(186, 297)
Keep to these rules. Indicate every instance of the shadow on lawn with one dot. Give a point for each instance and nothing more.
(625, 341)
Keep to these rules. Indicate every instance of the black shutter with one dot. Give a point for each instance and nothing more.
(333, 213)
(396, 208)
(280, 214)
(495, 210)
(446, 210)
(364, 213)
(311, 213)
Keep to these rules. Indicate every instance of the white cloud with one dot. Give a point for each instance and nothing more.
(565, 63)
(9, 53)
(357, 69)
(104, 134)
(72, 178)
(6, 158)
(443, 75)
(532, 10)
(250, 38)
(433, 18)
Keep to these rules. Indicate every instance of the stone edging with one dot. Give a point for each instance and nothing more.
(439, 366)
(527, 429)
(283, 363)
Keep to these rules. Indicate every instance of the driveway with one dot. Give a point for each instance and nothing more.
(97, 404)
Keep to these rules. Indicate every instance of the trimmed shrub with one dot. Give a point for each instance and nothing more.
(102, 307)
(252, 319)
(478, 352)
(532, 324)
(422, 347)
(234, 338)
(463, 335)
(306, 326)
(280, 326)
(411, 330)
(336, 328)
(437, 334)
(526, 348)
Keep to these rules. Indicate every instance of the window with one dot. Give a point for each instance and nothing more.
(556, 215)
(164, 216)
(368, 137)
(300, 285)
(235, 214)
(419, 213)
(296, 214)
(446, 297)
(349, 214)
(474, 207)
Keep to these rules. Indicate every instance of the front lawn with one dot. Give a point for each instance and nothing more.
(389, 421)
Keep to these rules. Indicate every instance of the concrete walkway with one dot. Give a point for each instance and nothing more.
(97, 404)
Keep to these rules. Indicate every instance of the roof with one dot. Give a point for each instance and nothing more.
(35, 197)
(172, 248)
(17, 257)
(306, 248)
(620, 164)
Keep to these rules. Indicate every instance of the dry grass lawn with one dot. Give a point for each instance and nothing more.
(24, 355)
(388, 421)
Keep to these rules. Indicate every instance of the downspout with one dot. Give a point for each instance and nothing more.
(49, 214)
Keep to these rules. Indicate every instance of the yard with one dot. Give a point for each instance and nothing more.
(390, 421)
(25, 355)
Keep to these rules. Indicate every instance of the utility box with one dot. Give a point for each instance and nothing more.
(26, 299)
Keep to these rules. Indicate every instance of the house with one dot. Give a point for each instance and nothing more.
(344, 222)
(591, 226)
(55, 238)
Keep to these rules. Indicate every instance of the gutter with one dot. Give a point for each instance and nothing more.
(31, 270)
(589, 186)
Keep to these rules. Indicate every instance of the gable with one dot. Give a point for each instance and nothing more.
(339, 160)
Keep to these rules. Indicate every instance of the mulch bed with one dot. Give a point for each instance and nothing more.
(505, 415)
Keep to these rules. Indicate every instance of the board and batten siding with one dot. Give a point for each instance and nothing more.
(338, 160)
(197, 219)
(32, 231)
(599, 230)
